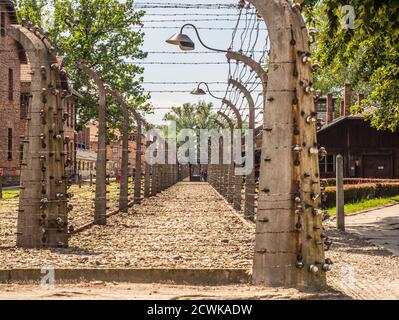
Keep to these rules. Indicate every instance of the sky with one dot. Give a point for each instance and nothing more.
(155, 41)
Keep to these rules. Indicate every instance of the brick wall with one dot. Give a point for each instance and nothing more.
(13, 112)
(9, 104)
(114, 150)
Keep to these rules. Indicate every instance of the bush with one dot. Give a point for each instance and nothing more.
(358, 192)
(351, 181)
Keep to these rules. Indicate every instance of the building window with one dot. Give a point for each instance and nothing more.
(3, 24)
(10, 84)
(24, 106)
(322, 106)
(327, 165)
(9, 153)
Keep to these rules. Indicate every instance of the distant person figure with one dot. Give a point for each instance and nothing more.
(205, 176)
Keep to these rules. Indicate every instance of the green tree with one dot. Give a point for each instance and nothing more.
(103, 34)
(367, 56)
(192, 116)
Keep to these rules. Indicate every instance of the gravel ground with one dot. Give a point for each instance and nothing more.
(173, 230)
(125, 291)
(362, 270)
(83, 212)
(177, 230)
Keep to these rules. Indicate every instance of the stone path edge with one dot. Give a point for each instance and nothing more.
(207, 277)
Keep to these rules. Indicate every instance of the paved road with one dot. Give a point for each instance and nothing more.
(380, 227)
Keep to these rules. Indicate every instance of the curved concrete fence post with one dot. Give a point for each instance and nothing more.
(255, 66)
(138, 171)
(289, 248)
(262, 75)
(100, 213)
(219, 167)
(124, 184)
(249, 207)
(126, 107)
(230, 167)
(147, 177)
(42, 214)
(154, 177)
(237, 196)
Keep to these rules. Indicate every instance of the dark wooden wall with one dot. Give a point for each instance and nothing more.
(368, 153)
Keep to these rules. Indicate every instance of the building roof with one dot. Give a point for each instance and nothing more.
(85, 155)
(26, 77)
(340, 120)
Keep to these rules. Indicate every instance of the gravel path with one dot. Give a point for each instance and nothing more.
(362, 270)
(188, 226)
(124, 291)
(380, 227)
(191, 226)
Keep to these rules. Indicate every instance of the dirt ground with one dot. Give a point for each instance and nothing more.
(124, 291)
(177, 230)
(82, 213)
(188, 226)
(362, 270)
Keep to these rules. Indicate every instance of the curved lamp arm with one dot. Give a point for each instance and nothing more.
(199, 38)
(209, 91)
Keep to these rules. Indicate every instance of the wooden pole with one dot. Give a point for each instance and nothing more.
(340, 194)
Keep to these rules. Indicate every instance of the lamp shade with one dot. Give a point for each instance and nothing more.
(198, 92)
(183, 41)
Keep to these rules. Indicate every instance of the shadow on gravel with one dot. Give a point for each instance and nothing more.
(354, 244)
(76, 251)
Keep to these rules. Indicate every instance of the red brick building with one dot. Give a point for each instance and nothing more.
(69, 112)
(86, 144)
(11, 128)
(15, 82)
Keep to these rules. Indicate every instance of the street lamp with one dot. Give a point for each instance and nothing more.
(201, 92)
(184, 41)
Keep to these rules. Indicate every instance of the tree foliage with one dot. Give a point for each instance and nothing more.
(367, 56)
(102, 34)
(192, 116)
